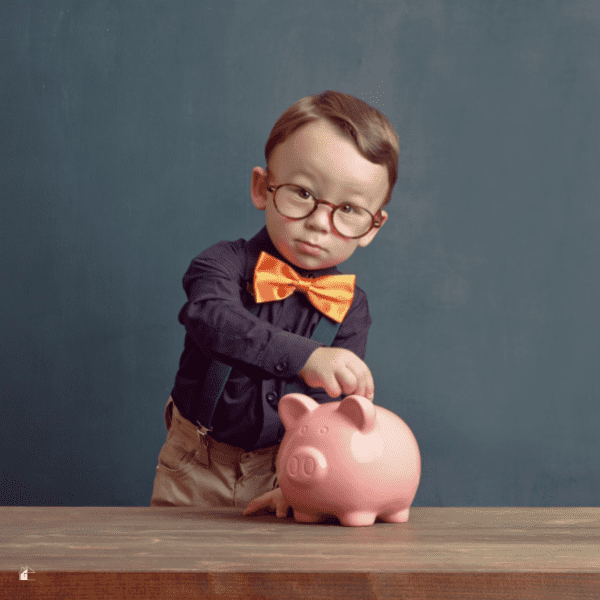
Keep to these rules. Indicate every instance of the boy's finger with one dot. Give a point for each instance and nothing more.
(360, 385)
(250, 508)
(332, 387)
(258, 503)
(370, 387)
(348, 382)
(282, 509)
(366, 383)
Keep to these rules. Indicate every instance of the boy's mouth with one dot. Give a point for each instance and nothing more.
(309, 248)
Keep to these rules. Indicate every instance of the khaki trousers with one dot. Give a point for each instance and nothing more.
(195, 470)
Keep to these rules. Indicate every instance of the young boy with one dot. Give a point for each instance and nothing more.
(253, 305)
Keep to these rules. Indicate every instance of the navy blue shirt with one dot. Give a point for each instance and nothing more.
(266, 351)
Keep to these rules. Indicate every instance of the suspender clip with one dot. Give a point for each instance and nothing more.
(202, 433)
(203, 454)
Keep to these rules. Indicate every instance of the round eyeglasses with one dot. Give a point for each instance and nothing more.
(295, 202)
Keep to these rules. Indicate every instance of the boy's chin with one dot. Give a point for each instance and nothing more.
(310, 260)
(310, 263)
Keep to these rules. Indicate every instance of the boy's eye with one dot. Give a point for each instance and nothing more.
(347, 209)
(302, 193)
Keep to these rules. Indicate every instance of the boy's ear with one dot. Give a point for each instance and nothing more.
(367, 239)
(258, 188)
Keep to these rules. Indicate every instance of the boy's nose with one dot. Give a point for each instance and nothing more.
(321, 218)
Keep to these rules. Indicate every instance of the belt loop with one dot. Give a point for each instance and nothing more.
(203, 447)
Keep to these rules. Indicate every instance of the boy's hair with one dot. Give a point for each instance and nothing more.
(369, 129)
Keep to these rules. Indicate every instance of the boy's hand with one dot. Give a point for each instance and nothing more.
(273, 501)
(338, 371)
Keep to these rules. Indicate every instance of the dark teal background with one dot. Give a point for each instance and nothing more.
(129, 130)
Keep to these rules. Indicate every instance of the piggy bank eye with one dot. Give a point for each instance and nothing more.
(303, 429)
(324, 430)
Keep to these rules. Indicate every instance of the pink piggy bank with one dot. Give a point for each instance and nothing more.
(350, 459)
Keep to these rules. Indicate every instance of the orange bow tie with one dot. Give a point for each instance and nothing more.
(275, 280)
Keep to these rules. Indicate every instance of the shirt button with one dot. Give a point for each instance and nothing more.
(271, 396)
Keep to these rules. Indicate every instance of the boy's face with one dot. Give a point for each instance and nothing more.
(328, 165)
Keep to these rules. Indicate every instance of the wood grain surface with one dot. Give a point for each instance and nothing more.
(183, 552)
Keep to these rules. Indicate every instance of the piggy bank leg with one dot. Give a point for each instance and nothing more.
(400, 516)
(357, 518)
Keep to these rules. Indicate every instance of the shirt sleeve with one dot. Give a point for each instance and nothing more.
(217, 320)
(352, 335)
(354, 330)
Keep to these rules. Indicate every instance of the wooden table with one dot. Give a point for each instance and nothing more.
(441, 553)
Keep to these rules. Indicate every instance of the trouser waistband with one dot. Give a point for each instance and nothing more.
(222, 452)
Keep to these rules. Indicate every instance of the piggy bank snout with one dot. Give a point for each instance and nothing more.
(306, 465)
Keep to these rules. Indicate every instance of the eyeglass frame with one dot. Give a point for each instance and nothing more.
(375, 223)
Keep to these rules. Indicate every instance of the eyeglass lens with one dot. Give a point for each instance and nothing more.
(349, 220)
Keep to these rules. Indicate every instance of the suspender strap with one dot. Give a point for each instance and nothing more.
(218, 374)
(324, 332)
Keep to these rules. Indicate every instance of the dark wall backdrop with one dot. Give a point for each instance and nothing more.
(128, 133)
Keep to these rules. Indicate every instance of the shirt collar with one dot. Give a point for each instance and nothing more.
(261, 241)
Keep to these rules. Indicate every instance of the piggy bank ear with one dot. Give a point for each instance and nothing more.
(360, 411)
(293, 407)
